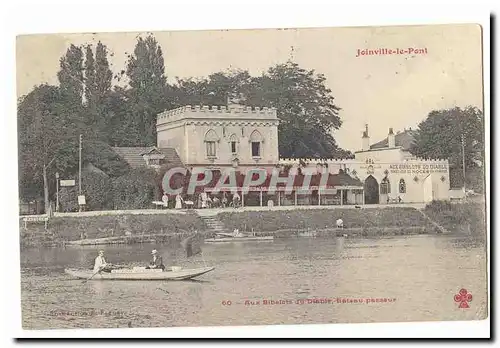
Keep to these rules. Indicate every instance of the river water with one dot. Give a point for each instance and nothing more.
(310, 280)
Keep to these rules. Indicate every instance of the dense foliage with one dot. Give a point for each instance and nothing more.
(468, 217)
(97, 188)
(449, 134)
(136, 189)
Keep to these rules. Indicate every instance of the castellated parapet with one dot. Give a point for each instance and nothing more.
(309, 161)
(217, 112)
(316, 161)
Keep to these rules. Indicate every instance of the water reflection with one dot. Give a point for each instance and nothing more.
(422, 272)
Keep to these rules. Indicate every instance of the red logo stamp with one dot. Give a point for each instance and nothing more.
(463, 297)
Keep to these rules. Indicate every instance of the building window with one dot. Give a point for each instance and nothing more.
(385, 187)
(211, 140)
(211, 152)
(402, 186)
(256, 140)
(255, 149)
(233, 143)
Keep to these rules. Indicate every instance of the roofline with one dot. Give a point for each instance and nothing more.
(381, 149)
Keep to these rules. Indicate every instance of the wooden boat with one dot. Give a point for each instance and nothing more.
(224, 238)
(140, 273)
(308, 234)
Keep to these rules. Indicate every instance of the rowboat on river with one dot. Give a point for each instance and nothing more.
(237, 237)
(140, 273)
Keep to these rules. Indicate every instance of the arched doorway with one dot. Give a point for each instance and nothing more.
(371, 190)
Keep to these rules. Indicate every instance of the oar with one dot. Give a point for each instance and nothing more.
(92, 276)
(99, 271)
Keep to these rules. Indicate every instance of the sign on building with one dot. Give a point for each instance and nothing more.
(418, 168)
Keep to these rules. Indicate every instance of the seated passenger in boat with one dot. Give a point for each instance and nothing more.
(100, 264)
(340, 223)
(156, 262)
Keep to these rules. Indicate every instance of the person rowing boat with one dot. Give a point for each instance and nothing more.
(100, 264)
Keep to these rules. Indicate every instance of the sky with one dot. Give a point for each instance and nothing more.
(384, 91)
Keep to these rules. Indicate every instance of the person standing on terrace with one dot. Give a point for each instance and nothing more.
(165, 200)
(178, 201)
(236, 200)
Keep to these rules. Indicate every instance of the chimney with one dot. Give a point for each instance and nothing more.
(391, 138)
(365, 140)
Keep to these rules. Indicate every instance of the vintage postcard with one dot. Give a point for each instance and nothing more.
(252, 177)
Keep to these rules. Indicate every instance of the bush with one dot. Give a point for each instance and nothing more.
(458, 217)
(96, 186)
(136, 189)
(68, 199)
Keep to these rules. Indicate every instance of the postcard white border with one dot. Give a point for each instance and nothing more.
(23, 17)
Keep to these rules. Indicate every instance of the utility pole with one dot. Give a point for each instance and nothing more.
(80, 173)
(463, 163)
(57, 191)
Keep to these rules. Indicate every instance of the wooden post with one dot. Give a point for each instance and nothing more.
(341, 197)
(242, 198)
(279, 198)
(80, 172)
(261, 197)
(295, 197)
(319, 196)
(363, 193)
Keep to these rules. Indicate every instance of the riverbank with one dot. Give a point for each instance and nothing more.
(166, 227)
(321, 219)
(130, 227)
(467, 217)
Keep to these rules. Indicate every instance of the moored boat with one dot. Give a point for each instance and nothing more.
(140, 273)
(238, 239)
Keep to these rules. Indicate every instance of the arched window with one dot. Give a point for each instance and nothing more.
(402, 186)
(233, 143)
(256, 142)
(211, 140)
(385, 186)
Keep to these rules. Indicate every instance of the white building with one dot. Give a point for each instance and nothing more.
(217, 137)
(390, 173)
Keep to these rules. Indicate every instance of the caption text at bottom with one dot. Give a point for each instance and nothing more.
(310, 301)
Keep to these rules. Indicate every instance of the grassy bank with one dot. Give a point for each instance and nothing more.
(63, 229)
(325, 219)
(466, 217)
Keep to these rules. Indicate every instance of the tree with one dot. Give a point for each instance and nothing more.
(70, 75)
(122, 127)
(442, 134)
(46, 142)
(104, 78)
(91, 88)
(98, 77)
(146, 72)
(305, 106)
(102, 156)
